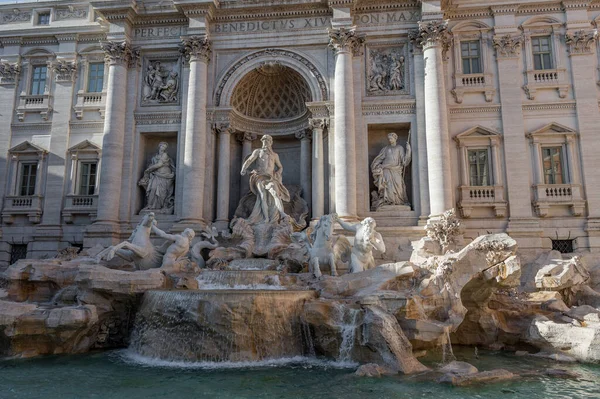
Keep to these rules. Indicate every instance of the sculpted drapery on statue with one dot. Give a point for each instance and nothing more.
(266, 183)
(159, 182)
(388, 170)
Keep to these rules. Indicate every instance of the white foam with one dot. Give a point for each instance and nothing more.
(213, 286)
(131, 357)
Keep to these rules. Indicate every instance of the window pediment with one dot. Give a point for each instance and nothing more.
(552, 130)
(478, 134)
(85, 146)
(27, 148)
(470, 26)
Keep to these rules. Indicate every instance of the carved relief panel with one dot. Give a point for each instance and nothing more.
(386, 71)
(161, 84)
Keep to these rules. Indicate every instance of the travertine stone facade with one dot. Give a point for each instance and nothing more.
(500, 103)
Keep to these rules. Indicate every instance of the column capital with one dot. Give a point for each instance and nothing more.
(317, 123)
(222, 128)
(9, 73)
(580, 42)
(245, 136)
(346, 40)
(508, 46)
(304, 134)
(430, 34)
(65, 71)
(195, 48)
(119, 53)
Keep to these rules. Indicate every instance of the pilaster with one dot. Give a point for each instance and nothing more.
(305, 165)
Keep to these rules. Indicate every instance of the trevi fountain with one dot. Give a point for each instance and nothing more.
(299, 199)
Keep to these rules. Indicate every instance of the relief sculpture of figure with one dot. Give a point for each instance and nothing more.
(388, 174)
(397, 73)
(159, 182)
(365, 239)
(266, 183)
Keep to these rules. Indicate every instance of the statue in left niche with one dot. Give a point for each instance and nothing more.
(161, 84)
(159, 182)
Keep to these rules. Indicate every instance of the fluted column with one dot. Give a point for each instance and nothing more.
(223, 178)
(117, 55)
(246, 139)
(345, 43)
(305, 165)
(318, 168)
(196, 50)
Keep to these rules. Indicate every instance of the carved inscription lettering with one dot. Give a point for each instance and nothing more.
(384, 18)
(274, 25)
(159, 32)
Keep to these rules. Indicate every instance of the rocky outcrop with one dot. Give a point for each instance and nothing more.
(561, 274)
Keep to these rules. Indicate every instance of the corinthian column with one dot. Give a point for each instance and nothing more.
(117, 55)
(318, 168)
(223, 178)
(432, 37)
(305, 169)
(196, 50)
(345, 43)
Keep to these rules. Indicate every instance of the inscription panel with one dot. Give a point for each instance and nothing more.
(277, 25)
(387, 18)
(159, 32)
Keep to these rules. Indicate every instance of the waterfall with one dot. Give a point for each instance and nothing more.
(347, 317)
(239, 280)
(447, 352)
(220, 325)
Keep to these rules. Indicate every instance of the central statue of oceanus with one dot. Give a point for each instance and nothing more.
(266, 183)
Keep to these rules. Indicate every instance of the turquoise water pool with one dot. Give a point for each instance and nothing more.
(120, 374)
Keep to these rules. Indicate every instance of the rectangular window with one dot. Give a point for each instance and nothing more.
(87, 178)
(542, 52)
(38, 80)
(553, 165)
(28, 177)
(43, 18)
(96, 77)
(479, 167)
(563, 246)
(471, 57)
(17, 252)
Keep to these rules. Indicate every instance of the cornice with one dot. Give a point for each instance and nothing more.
(40, 41)
(87, 125)
(272, 12)
(475, 109)
(160, 20)
(571, 106)
(385, 6)
(93, 38)
(31, 126)
(378, 109)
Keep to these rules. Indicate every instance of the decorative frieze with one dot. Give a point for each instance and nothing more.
(195, 48)
(9, 73)
(70, 13)
(64, 70)
(15, 16)
(580, 42)
(161, 82)
(507, 46)
(431, 33)
(119, 53)
(386, 71)
(345, 40)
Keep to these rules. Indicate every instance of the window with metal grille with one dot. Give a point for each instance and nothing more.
(17, 251)
(553, 165)
(96, 77)
(38, 80)
(479, 167)
(563, 246)
(28, 177)
(87, 178)
(471, 57)
(43, 18)
(542, 52)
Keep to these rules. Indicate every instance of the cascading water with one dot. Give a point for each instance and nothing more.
(347, 317)
(447, 352)
(239, 280)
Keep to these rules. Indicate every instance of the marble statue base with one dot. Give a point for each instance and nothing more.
(394, 208)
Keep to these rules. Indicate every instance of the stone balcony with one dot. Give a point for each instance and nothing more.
(473, 83)
(86, 205)
(482, 196)
(546, 79)
(90, 102)
(548, 195)
(34, 104)
(31, 206)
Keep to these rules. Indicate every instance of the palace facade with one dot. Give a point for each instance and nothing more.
(498, 100)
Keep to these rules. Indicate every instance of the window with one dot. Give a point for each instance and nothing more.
(479, 167)
(471, 57)
(17, 252)
(542, 53)
(43, 18)
(563, 246)
(38, 80)
(553, 165)
(87, 178)
(95, 77)
(28, 177)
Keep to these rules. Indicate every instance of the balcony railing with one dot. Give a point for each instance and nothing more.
(547, 195)
(90, 102)
(30, 206)
(473, 83)
(480, 197)
(86, 205)
(546, 79)
(34, 104)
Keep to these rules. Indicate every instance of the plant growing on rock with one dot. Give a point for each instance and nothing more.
(444, 230)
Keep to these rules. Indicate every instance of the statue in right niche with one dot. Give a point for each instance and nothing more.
(388, 170)
(159, 182)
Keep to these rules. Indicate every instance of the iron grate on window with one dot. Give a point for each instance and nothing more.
(563, 246)
(17, 251)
